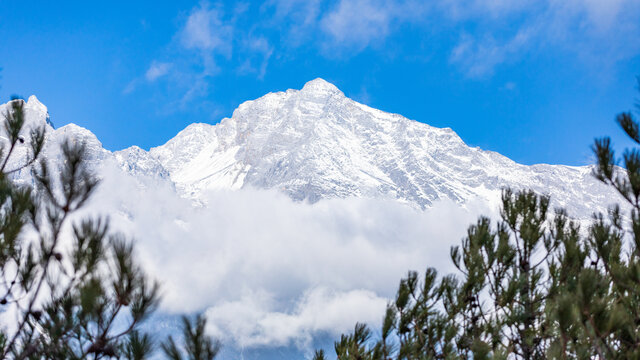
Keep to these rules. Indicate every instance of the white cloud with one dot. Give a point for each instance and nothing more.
(595, 32)
(192, 58)
(259, 51)
(253, 321)
(600, 15)
(206, 42)
(302, 16)
(157, 70)
(480, 57)
(131, 86)
(487, 35)
(465, 10)
(205, 30)
(357, 22)
(269, 271)
(210, 35)
(304, 12)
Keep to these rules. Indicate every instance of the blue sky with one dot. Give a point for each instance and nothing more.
(533, 80)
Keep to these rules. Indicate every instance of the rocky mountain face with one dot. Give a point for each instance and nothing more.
(315, 143)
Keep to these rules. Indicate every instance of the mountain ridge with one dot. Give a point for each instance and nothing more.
(315, 143)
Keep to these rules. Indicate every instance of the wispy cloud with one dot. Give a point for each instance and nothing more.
(358, 24)
(504, 31)
(205, 42)
(597, 32)
(479, 58)
(205, 30)
(190, 59)
(298, 19)
(157, 70)
(487, 34)
(509, 86)
(207, 33)
(258, 55)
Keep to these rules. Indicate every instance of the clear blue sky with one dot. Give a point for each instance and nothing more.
(533, 80)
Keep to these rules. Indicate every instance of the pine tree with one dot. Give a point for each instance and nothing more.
(86, 299)
(66, 297)
(197, 345)
(609, 308)
(495, 308)
(531, 286)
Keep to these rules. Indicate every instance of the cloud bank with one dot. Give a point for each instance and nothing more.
(268, 271)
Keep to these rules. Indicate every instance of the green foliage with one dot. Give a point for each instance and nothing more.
(137, 346)
(495, 308)
(67, 297)
(73, 285)
(197, 345)
(609, 310)
(319, 355)
(531, 286)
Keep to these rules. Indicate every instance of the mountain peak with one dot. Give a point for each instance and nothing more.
(320, 86)
(315, 144)
(36, 113)
(34, 103)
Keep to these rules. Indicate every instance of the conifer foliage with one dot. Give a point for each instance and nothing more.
(70, 288)
(197, 345)
(532, 285)
(70, 299)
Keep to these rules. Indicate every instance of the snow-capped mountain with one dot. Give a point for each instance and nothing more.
(296, 262)
(36, 116)
(133, 160)
(316, 143)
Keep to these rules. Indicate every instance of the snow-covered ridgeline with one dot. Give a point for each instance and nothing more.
(315, 143)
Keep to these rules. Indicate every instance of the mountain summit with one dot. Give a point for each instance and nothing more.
(320, 87)
(316, 143)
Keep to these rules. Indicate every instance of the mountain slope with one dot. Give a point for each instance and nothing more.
(133, 161)
(272, 275)
(315, 143)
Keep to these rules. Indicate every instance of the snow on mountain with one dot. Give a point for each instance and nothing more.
(263, 267)
(139, 163)
(315, 143)
(134, 161)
